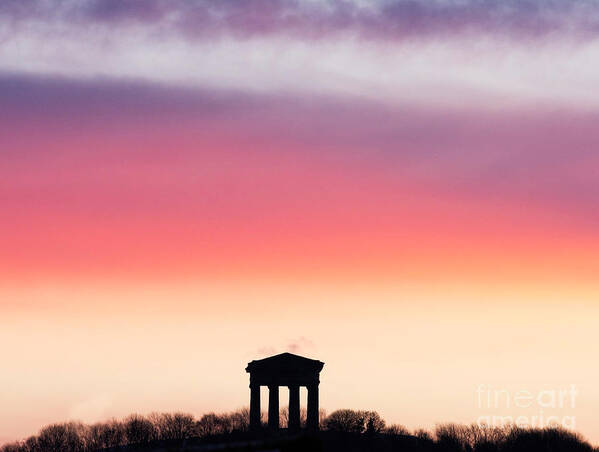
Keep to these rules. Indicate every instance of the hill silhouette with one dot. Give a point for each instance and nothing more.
(343, 430)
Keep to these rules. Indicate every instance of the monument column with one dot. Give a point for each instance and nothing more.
(273, 407)
(312, 420)
(255, 407)
(294, 408)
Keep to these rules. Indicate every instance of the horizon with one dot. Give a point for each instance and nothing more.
(405, 190)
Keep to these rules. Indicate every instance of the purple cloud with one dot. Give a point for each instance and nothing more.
(390, 19)
(545, 159)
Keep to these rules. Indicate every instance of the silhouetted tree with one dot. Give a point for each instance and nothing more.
(139, 430)
(451, 437)
(374, 423)
(423, 434)
(207, 425)
(322, 415)
(173, 425)
(62, 437)
(212, 424)
(345, 420)
(284, 417)
(483, 438)
(304, 417)
(354, 431)
(105, 434)
(352, 421)
(31, 445)
(240, 420)
(552, 439)
(224, 424)
(95, 437)
(397, 429)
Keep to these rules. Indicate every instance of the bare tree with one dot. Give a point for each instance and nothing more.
(12, 447)
(62, 437)
(139, 430)
(452, 436)
(173, 425)
(94, 438)
(374, 423)
(284, 417)
(208, 425)
(423, 434)
(345, 420)
(181, 426)
(31, 445)
(240, 420)
(105, 434)
(397, 429)
(322, 415)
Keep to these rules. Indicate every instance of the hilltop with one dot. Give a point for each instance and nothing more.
(343, 430)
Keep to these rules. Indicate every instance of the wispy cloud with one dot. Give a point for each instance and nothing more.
(93, 409)
(384, 19)
(492, 53)
(299, 345)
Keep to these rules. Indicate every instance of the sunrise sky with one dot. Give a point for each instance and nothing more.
(405, 190)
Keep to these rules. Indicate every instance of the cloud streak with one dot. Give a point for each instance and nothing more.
(385, 19)
(487, 52)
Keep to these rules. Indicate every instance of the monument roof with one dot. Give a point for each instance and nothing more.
(285, 362)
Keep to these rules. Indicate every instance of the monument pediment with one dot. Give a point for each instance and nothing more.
(285, 362)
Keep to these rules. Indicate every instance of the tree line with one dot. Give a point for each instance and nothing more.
(354, 424)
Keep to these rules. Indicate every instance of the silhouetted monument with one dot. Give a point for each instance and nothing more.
(288, 370)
